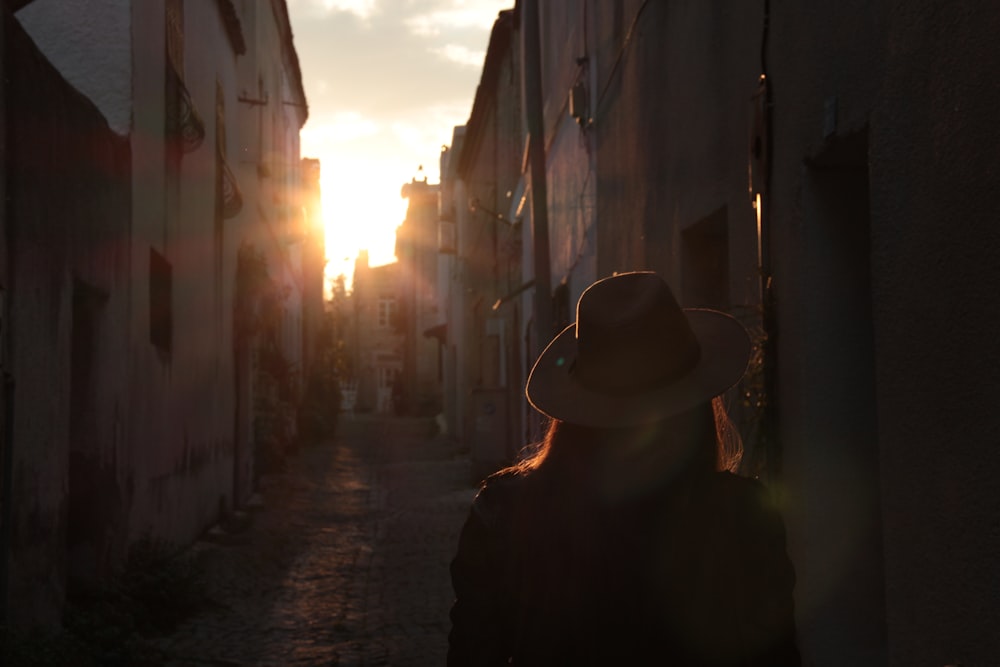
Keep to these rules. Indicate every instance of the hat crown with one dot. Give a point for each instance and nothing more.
(632, 335)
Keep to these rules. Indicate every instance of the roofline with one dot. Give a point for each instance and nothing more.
(500, 43)
(280, 8)
(231, 21)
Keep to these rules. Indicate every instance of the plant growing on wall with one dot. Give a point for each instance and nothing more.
(321, 401)
(754, 401)
(749, 402)
(320, 408)
(258, 318)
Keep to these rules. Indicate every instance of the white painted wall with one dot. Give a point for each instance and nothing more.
(90, 43)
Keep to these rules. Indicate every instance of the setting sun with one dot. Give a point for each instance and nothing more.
(363, 167)
(387, 85)
(361, 209)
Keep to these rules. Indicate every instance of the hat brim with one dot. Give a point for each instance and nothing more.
(553, 390)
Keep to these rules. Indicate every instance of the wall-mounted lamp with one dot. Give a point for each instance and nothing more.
(475, 207)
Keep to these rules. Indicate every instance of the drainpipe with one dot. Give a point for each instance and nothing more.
(531, 90)
(5, 489)
(772, 447)
(7, 390)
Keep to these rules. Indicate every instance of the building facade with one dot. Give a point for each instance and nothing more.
(143, 425)
(823, 173)
(483, 188)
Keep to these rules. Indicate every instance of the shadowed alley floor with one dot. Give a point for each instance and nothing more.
(347, 561)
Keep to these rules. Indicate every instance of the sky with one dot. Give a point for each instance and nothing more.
(386, 81)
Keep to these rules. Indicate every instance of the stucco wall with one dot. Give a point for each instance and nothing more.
(935, 142)
(181, 418)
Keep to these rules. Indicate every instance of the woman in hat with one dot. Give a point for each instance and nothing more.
(623, 539)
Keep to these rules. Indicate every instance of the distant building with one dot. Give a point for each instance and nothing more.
(419, 306)
(379, 340)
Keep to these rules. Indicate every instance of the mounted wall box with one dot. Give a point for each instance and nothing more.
(578, 102)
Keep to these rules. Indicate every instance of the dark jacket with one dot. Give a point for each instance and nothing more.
(693, 577)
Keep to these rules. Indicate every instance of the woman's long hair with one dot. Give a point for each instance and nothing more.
(716, 442)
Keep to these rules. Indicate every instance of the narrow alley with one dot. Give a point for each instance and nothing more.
(346, 562)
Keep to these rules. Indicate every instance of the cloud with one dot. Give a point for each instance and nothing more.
(379, 67)
(478, 16)
(363, 9)
(461, 55)
(339, 127)
(420, 140)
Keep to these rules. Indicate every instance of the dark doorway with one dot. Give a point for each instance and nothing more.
(842, 583)
(94, 502)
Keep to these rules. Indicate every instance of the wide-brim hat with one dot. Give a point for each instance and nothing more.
(634, 356)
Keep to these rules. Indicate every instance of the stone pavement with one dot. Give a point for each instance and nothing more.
(347, 561)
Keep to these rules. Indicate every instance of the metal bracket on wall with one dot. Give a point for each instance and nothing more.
(254, 101)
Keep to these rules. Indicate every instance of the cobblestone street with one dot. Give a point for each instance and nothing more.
(346, 562)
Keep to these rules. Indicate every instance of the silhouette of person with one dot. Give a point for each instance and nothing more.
(623, 538)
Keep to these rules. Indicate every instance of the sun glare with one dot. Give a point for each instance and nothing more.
(363, 166)
(361, 211)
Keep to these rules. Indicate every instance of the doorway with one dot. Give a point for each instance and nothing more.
(94, 502)
(841, 600)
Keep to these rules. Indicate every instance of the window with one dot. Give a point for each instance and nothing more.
(161, 317)
(386, 312)
(386, 377)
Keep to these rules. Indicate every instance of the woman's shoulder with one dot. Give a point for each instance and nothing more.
(498, 494)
